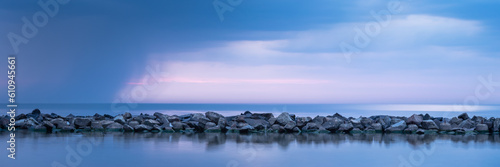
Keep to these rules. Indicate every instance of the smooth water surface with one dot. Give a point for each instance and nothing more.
(205, 149)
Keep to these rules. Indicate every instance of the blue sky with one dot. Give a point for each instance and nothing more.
(261, 52)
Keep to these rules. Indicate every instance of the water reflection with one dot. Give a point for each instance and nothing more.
(213, 141)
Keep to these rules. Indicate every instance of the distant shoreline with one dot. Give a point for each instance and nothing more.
(247, 122)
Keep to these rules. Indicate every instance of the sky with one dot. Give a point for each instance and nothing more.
(258, 51)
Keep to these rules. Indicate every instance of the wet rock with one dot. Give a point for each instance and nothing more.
(481, 128)
(48, 125)
(319, 120)
(311, 126)
(106, 123)
(333, 124)
(222, 123)
(463, 116)
(283, 118)
(496, 125)
(97, 125)
(59, 123)
(139, 119)
(377, 127)
(258, 123)
(455, 121)
(209, 125)
(429, 124)
(246, 128)
(356, 123)
(272, 121)
(412, 128)
(177, 126)
(201, 118)
(366, 122)
(128, 128)
(173, 118)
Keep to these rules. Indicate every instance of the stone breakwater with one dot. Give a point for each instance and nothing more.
(247, 122)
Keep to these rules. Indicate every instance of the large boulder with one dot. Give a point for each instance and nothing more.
(209, 125)
(142, 128)
(463, 116)
(151, 122)
(199, 117)
(429, 124)
(59, 123)
(258, 123)
(397, 127)
(127, 115)
(115, 127)
(283, 118)
(377, 127)
(177, 126)
(96, 125)
(412, 128)
(455, 121)
(213, 116)
(496, 125)
(311, 126)
(81, 123)
(356, 123)
(319, 120)
(119, 119)
(333, 124)
(345, 127)
(415, 119)
(481, 128)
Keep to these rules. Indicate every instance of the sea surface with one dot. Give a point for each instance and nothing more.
(93, 149)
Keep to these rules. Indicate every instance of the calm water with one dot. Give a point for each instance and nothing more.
(156, 149)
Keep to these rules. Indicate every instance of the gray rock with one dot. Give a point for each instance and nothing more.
(345, 127)
(119, 119)
(213, 116)
(377, 126)
(429, 124)
(272, 121)
(415, 119)
(444, 126)
(199, 117)
(151, 122)
(283, 118)
(412, 128)
(81, 123)
(466, 124)
(139, 118)
(356, 123)
(290, 126)
(177, 126)
(173, 118)
(481, 128)
(319, 120)
(366, 122)
(455, 121)
(258, 123)
(133, 123)
(162, 119)
(246, 128)
(97, 125)
(397, 127)
(302, 121)
(333, 124)
(209, 125)
(59, 123)
(222, 123)
(106, 123)
(127, 115)
(128, 128)
(310, 126)
(427, 117)
(496, 125)
(463, 116)
(277, 127)
(115, 127)
(142, 128)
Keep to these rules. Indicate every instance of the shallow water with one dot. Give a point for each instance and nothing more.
(205, 149)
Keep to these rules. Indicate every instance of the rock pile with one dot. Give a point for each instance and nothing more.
(247, 122)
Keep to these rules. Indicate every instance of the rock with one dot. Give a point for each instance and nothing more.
(345, 127)
(397, 127)
(263, 116)
(81, 123)
(412, 128)
(283, 118)
(455, 121)
(427, 117)
(496, 125)
(59, 123)
(246, 128)
(209, 125)
(319, 120)
(119, 119)
(151, 122)
(290, 125)
(215, 129)
(177, 126)
(128, 128)
(115, 127)
(481, 128)
(463, 116)
(311, 126)
(213, 116)
(258, 123)
(162, 120)
(356, 123)
(355, 131)
(173, 118)
(415, 119)
(302, 121)
(48, 125)
(366, 122)
(99, 117)
(127, 115)
(201, 118)
(97, 125)
(67, 128)
(4, 121)
(183, 118)
(106, 123)
(466, 124)
(437, 122)
(444, 126)
(429, 124)
(39, 128)
(333, 124)
(272, 121)
(377, 127)
(222, 123)
(139, 119)
(142, 128)
(296, 129)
